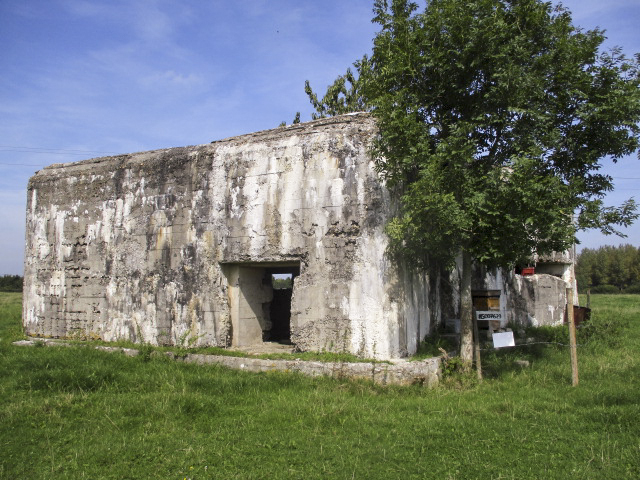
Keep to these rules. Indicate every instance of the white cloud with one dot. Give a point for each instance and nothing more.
(171, 78)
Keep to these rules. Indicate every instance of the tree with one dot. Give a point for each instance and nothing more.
(339, 97)
(607, 267)
(296, 120)
(584, 266)
(494, 118)
(11, 283)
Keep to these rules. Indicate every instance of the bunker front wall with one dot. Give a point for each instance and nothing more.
(150, 247)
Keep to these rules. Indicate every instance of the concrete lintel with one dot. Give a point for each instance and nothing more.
(270, 263)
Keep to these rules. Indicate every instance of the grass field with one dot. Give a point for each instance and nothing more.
(81, 413)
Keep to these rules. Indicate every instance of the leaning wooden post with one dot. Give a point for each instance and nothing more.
(572, 338)
(476, 344)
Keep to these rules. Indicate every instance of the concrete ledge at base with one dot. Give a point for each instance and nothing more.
(400, 372)
(129, 352)
(32, 342)
(48, 342)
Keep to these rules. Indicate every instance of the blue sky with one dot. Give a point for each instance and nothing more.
(86, 78)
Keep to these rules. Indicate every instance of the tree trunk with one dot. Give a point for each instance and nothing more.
(466, 320)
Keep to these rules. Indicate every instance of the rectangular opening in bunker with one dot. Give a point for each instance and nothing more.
(260, 297)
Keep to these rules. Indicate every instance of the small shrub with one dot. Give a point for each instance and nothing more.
(433, 345)
(145, 350)
(451, 366)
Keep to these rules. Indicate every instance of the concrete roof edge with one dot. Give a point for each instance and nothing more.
(261, 135)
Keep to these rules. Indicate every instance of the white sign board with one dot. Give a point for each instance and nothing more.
(504, 339)
(489, 315)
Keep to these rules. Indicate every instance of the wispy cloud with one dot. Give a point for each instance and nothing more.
(170, 78)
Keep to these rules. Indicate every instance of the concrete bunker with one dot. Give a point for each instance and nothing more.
(259, 311)
(183, 243)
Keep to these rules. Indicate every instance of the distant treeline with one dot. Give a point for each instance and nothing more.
(281, 283)
(10, 283)
(609, 269)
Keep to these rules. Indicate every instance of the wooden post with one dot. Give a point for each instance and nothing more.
(572, 338)
(588, 298)
(476, 344)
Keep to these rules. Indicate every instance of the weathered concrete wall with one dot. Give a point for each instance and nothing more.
(531, 300)
(149, 246)
(536, 300)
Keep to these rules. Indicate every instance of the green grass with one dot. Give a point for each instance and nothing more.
(10, 318)
(81, 413)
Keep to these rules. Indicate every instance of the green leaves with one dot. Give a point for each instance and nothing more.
(494, 116)
(493, 119)
(344, 95)
(428, 216)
